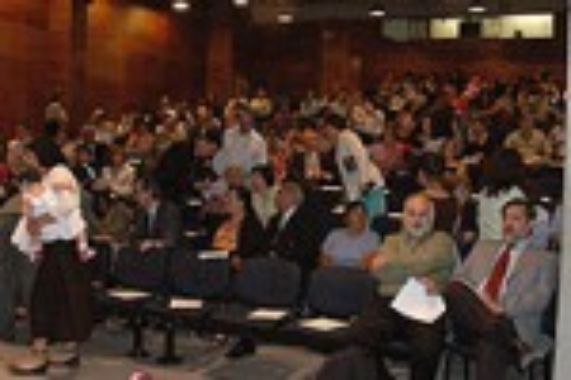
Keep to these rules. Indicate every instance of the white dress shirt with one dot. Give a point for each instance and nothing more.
(355, 166)
(244, 150)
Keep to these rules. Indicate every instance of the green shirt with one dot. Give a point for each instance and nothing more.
(434, 256)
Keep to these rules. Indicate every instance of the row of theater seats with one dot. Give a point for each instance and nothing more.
(263, 300)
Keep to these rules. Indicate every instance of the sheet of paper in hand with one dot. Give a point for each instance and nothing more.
(413, 301)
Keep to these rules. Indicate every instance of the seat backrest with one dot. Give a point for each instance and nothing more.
(269, 282)
(339, 291)
(192, 277)
(145, 271)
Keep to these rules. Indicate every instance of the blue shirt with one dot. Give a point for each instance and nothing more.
(347, 250)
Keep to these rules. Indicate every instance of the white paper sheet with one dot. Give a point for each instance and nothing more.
(185, 304)
(331, 188)
(192, 234)
(128, 295)
(213, 255)
(323, 324)
(267, 315)
(414, 302)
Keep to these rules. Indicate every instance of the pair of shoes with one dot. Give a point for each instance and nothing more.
(34, 364)
(243, 347)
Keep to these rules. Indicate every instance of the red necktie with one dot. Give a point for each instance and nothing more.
(496, 278)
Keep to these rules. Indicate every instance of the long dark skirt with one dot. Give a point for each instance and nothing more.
(61, 297)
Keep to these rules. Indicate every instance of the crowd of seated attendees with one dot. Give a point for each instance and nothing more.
(262, 175)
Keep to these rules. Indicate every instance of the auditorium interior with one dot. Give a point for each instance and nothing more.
(284, 189)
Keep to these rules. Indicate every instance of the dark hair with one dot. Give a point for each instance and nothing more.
(47, 152)
(336, 121)
(149, 184)
(267, 173)
(52, 128)
(528, 206)
(210, 136)
(502, 172)
(432, 165)
(30, 176)
(349, 207)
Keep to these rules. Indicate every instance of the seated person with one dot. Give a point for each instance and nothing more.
(296, 232)
(352, 245)
(262, 183)
(157, 222)
(241, 233)
(416, 251)
(431, 178)
(497, 298)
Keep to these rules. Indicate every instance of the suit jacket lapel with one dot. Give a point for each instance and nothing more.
(524, 261)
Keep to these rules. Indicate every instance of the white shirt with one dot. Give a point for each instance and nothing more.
(119, 181)
(62, 205)
(355, 166)
(245, 150)
(286, 217)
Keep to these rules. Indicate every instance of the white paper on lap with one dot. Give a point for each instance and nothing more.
(414, 302)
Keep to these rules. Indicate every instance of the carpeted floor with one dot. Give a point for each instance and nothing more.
(105, 359)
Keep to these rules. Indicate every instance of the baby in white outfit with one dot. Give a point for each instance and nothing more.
(40, 199)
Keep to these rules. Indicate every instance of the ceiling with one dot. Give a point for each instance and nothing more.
(305, 10)
(265, 11)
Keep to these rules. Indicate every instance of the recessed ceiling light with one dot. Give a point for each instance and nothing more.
(241, 3)
(377, 10)
(181, 5)
(285, 18)
(476, 7)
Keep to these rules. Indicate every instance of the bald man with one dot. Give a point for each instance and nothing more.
(416, 251)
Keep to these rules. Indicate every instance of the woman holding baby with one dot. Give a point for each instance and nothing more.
(52, 232)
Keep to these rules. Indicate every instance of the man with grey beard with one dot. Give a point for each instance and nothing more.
(416, 251)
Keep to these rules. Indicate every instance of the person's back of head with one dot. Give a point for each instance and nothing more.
(52, 128)
(502, 172)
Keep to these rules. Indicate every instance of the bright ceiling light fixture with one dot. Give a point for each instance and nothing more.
(241, 3)
(377, 10)
(285, 17)
(181, 5)
(477, 7)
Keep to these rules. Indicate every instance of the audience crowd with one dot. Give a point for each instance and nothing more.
(320, 180)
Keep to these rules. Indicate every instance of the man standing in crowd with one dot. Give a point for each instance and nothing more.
(242, 145)
(361, 178)
(297, 231)
(498, 296)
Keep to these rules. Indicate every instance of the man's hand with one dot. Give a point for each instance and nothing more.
(146, 245)
(492, 305)
(325, 260)
(429, 285)
(378, 262)
(236, 262)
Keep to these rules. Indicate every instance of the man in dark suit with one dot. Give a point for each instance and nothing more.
(498, 296)
(158, 222)
(296, 232)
